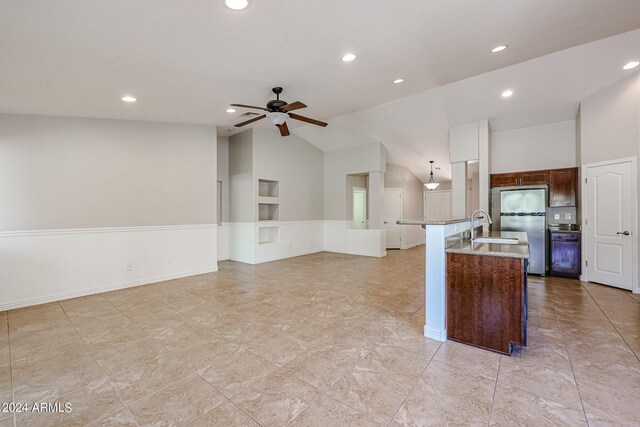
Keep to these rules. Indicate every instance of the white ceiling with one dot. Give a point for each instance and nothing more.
(548, 89)
(186, 60)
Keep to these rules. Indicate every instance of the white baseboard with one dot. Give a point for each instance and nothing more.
(361, 253)
(286, 255)
(413, 245)
(435, 334)
(48, 265)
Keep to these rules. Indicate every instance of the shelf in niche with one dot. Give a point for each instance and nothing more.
(268, 235)
(268, 188)
(268, 200)
(268, 211)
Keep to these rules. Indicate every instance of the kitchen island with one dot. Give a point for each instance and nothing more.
(486, 291)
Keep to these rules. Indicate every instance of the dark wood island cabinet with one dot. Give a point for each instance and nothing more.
(486, 290)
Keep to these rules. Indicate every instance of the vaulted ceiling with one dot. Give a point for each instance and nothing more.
(186, 60)
(547, 89)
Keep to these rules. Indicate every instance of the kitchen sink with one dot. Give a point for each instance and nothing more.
(496, 240)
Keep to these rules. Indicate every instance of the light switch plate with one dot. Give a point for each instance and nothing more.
(556, 216)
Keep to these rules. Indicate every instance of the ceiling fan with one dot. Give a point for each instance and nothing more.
(278, 111)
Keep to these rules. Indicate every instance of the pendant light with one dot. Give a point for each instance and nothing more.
(431, 184)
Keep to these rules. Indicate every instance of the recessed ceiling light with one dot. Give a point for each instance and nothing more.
(507, 93)
(231, 110)
(348, 57)
(128, 99)
(396, 81)
(236, 4)
(630, 65)
(499, 48)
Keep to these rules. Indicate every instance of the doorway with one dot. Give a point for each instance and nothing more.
(359, 207)
(392, 213)
(609, 212)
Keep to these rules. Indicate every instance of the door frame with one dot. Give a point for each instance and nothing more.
(634, 231)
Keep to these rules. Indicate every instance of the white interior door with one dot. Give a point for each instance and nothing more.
(610, 226)
(359, 207)
(437, 205)
(392, 213)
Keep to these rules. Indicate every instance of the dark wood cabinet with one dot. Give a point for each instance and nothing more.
(565, 254)
(534, 178)
(562, 187)
(513, 179)
(487, 301)
(504, 179)
(563, 183)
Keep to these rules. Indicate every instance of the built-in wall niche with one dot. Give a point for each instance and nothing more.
(268, 211)
(268, 188)
(268, 235)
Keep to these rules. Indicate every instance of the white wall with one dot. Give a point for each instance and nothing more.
(91, 205)
(610, 122)
(610, 126)
(549, 146)
(463, 143)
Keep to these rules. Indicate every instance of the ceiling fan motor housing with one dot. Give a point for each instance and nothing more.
(275, 104)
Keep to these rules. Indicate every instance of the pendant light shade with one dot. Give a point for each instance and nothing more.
(431, 184)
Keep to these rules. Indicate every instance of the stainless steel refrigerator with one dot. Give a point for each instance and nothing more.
(524, 209)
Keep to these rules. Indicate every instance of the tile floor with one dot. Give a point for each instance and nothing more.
(320, 340)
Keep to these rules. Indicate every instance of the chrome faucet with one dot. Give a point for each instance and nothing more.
(474, 214)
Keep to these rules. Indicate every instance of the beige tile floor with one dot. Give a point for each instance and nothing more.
(320, 340)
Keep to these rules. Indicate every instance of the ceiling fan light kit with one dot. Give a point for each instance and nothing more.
(278, 111)
(277, 118)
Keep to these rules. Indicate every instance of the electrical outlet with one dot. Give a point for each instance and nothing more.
(567, 216)
(130, 267)
(556, 216)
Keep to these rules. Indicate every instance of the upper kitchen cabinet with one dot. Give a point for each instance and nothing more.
(504, 179)
(513, 179)
(562, 187)
(533, 178)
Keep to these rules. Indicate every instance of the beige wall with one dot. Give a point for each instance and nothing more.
(298, 166)
(362, 159)
(241, 186)
(223, 174)
(412, 190)
(60, 173)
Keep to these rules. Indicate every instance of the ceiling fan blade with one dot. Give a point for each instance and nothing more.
(293, 106)
(248, 106)
(307, 119)
(255, 119)
(284, 129)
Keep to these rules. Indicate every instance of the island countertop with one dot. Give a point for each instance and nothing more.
(423, 223)
(518, 250)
